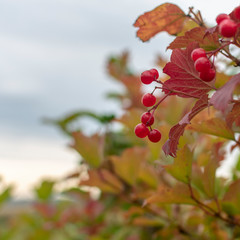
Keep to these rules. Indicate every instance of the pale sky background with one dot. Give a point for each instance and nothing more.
(52, 62)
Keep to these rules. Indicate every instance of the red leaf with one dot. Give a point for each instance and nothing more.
(234, 116)
(206, 39)
(170, 147)
(166, 17)
(184, 79)
(223, 96)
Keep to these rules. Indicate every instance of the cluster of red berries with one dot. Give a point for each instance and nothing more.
(147, 77)
(227, 27)
(141, 130)
(147, 118)
(203, 65)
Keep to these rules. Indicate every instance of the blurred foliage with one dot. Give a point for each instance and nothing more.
(143, 193)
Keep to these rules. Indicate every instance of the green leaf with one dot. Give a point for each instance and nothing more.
(182, 167)
(65, 123)
(6, 194)
(45, 190)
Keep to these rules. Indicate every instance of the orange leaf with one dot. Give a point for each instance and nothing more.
(166, 17)
(213, 126)
(104, 180)
(127, 166)
(179, 194)
(198, 34)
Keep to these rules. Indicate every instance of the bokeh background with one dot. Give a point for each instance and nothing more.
(52, 62)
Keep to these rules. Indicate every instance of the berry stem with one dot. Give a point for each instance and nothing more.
(161, 100)
(218, 49)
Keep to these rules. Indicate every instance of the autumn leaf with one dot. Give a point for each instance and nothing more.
(89, 148)
(206, 41)
(209, 176)
(170, 147)
(234, 116)
(104, 180)
(213, 126)
(177, 194)
(182, 167)
(143, 221)
(223, 96)
(166, 17)
(232, 198)
(184, 79)
(127, 166)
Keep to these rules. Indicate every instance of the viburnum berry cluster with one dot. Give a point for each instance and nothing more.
(192, 68)
(228, 24)
(147, 118)
(203, 65)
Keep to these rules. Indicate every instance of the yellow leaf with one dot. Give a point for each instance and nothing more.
(127, 166)
(88, 147)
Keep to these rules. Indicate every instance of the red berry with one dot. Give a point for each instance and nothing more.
(202, 64)
(208, 76)
(197, 53)
(147, 118)
(148, 100)
(221, 17)
(147, 77)
(141, 130)
(237, 12)
(227, 28)
(154, 136)
(155, 73)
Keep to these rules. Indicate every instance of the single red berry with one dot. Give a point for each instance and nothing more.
(147, 118)
(202, 64)
(227, 28)
(197, 53)
(147, 77)
(141, 130)
(148, 100)
(154, 136)
(208, 76)
(222, 17)
(237, 12)
(155, 73)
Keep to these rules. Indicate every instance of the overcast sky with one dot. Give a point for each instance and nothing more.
(52, 62)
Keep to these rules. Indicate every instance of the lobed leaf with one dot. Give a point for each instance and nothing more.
(166, 17)
(198, 34)
(214, 126)
(234, 116)
(223, 96)
(178, 194)
(88, 147)
(104, 180)
(127, 166)
(184, 79)
(170, 147)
